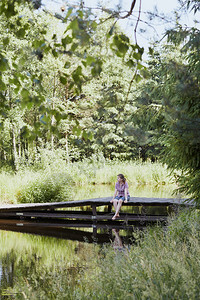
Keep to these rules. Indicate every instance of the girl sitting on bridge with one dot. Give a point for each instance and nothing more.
(121, 194)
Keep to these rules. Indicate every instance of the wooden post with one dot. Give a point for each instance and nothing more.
(109, 208)
(94, 210)
(94, 217)
(94, 231)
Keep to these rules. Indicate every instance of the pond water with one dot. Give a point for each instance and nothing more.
(47, 262)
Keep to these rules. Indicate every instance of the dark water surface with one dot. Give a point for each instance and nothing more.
(36, 257)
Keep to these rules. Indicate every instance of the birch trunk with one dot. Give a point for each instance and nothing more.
(15, 155)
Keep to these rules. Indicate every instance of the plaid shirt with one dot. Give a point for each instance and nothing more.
(121, 188)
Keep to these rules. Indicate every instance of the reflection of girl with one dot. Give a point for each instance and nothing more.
(121, 194)
(117, 243)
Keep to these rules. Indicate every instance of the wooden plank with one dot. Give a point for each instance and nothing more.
(134, 201)
(7, 224)
(123, 216)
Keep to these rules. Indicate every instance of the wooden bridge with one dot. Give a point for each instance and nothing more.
(94, 210)
(65, 219)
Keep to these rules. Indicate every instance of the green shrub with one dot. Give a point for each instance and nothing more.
(185, 224)
(161, 265)
(56, 187)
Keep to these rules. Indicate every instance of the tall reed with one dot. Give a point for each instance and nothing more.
(87, 172)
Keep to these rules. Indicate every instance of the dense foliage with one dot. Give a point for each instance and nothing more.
(62, 89)
(60, 86)
(173, 92)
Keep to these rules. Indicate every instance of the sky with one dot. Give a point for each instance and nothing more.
(147, 30)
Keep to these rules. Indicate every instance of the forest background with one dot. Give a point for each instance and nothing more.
(75, 87)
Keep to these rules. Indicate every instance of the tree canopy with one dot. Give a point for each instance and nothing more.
(77, 84)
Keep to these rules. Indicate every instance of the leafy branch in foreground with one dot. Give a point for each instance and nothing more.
(80, 26)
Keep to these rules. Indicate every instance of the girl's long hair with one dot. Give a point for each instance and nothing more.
(122, 177)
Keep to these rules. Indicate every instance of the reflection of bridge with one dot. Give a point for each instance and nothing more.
(74, 231)
(58, 219)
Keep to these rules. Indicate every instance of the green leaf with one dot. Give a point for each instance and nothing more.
(137, 56)
(76, 75)
(67, 65)
(69, 12)
(97, 68)
(55, 53)
(78, 70)
(25, 95)
(29, 104)
(3, 64)
(119, 54)
(138, 78)
(63, 80)
(66, 40)
(10, 11)
(139, 66)
(6, 41)
(84, 63)
(130, 63)
(124, 38)
(90, 136)
(45, 119)
(84, 135)
(39, 43)
(14, 81)
(122, 47)
(2, 85)
(74, 46)
(90, 60)
(74, 25)
(21, 32)
(16, 90)
(22, 61)
(151, 51)
(111, 31)
(76, 130)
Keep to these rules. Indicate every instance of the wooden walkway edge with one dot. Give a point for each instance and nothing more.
(88, 210)
(134, 201)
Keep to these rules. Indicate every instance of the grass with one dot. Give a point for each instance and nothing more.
(85, 173)
(163, 264)
(137, 173)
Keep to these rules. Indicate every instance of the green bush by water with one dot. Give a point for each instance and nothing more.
(56, 187)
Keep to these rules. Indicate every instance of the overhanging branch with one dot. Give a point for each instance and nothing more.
(130, 11)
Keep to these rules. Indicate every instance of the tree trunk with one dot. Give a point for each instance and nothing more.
(19, 146)
(15, 154)
(67, 147)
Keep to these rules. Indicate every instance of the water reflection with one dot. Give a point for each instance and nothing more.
(98, 233)
(36, 259)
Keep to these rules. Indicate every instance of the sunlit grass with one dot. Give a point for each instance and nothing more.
(87, 174)
(137, 173)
